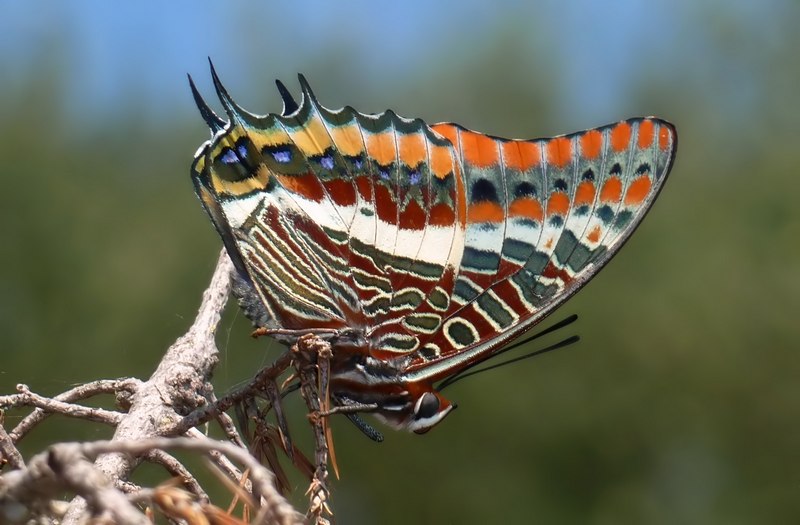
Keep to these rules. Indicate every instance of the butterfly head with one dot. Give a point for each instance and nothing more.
(416, 414)
(404, 405)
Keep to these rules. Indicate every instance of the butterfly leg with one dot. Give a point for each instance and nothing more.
(262, 443)
(349, 407)
(258, 332)
(274, 397)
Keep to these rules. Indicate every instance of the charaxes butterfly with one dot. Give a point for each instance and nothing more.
(416, 250)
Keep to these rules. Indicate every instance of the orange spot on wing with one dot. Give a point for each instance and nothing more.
(441, 161)
(448, 131)
(620, 136)
(341, 191)
(559, 151)
(638, 190)
(307, 185)
(585, 193)
(485, 211)
(591, 143)
(479, 150)
(594, 235)
(381, 147)
(412, 149)
(612, 190)
(521, 155)
(441, 215)
(664, 136)
(526, 207)
(646, 133)
(558, 204)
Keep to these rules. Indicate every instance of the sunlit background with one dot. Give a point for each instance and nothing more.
(682, 402)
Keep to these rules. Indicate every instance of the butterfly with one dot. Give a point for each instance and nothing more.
(417, 251)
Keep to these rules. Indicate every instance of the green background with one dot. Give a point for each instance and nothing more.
(680, 405)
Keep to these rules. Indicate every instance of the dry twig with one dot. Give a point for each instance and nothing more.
(119, 387)
(155, 413)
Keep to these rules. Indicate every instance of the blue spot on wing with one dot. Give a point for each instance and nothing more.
(229, 157)
(282, 155)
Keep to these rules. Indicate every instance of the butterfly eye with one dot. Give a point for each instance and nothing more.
(427, 406)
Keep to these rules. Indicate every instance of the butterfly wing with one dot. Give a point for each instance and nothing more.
(543, 217)
(336, 218)
(436, 243)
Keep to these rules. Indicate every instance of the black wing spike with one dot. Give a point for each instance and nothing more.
(306, 89)
(222, 93)
(289, 104)
(231, 108)
(214, 122)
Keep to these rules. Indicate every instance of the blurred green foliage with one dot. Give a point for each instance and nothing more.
(681, 403)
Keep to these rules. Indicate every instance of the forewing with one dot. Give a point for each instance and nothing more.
(543, 217)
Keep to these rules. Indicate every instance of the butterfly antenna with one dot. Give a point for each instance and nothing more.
(289, 103)
(550, 329)
(561, 344)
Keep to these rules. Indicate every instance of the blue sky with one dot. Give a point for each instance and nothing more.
(110, 51)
